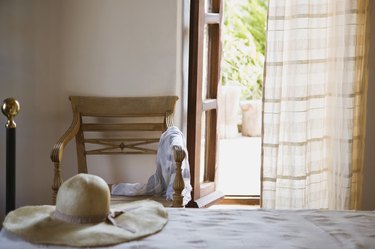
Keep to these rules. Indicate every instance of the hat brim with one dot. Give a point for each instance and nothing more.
(37, 225)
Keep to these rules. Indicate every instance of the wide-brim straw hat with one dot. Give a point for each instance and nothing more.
(83, 217)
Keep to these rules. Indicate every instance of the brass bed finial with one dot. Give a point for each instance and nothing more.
(10, 109)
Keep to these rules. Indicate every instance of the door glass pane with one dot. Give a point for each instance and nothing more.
(205, 64)
(207, 5)
(202, 166)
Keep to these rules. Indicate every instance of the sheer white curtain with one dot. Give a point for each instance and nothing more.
(314, 100)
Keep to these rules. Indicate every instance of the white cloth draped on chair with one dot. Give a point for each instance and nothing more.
(314, 104)
(161, 183)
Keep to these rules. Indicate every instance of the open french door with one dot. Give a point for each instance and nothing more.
(203, 82)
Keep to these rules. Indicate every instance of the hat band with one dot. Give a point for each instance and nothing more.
(79, 219)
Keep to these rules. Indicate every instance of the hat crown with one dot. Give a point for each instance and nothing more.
(83, 198)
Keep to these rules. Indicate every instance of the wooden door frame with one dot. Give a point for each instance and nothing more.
(205, 193)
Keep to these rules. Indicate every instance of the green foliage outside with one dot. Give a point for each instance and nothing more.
(244, 40)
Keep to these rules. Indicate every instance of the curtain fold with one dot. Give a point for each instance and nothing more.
(314, 104)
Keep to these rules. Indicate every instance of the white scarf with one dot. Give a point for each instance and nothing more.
(161, 183)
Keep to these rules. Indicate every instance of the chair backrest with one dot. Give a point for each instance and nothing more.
(120, 125)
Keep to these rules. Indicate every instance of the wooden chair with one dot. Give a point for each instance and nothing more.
(108, 116)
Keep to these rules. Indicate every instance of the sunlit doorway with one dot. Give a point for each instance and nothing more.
(239, 149)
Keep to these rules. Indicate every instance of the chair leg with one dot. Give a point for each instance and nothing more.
(178, 184)
(57, 181)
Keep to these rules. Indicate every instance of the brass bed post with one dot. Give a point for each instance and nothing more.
(10, 109)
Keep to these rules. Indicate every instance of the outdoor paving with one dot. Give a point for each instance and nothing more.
(239, 165)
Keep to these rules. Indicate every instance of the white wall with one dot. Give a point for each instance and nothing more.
(50, 49)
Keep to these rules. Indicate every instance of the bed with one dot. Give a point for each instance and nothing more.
(250, 228)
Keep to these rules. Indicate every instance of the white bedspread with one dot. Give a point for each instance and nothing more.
(226, 228)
